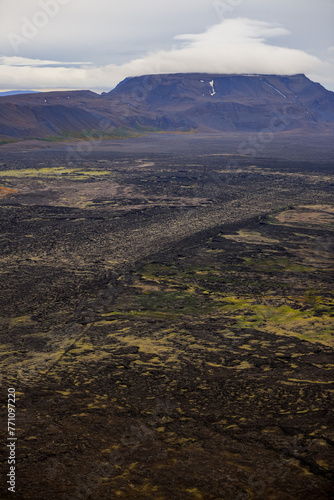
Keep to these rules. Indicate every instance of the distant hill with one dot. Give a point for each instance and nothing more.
(17, 92)
(173, 102)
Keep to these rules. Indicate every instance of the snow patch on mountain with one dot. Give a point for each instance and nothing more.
(212, 87)
(271, 86)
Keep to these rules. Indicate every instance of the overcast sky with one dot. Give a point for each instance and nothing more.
(79, 44)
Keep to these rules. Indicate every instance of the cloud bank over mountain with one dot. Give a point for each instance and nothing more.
(238, 45)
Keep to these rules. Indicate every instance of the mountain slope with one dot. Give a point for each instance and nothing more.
(227, 102)
(174, 102)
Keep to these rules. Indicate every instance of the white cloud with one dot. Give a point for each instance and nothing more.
(232, 46)
(25, 61)
(233, 31)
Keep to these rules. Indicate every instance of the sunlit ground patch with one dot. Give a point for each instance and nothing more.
(308, 214)
(252, 237)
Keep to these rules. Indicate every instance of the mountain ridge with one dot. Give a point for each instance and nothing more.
(172, 102)
(17, 92)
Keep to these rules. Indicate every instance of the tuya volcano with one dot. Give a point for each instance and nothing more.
(172, 102)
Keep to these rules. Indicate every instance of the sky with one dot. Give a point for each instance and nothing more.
(80, 44)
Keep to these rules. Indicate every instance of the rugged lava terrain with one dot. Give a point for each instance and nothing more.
(167, 323)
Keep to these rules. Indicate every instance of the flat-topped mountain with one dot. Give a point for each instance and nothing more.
(173, 102)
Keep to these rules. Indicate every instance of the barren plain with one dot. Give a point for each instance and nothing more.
(167, 319)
